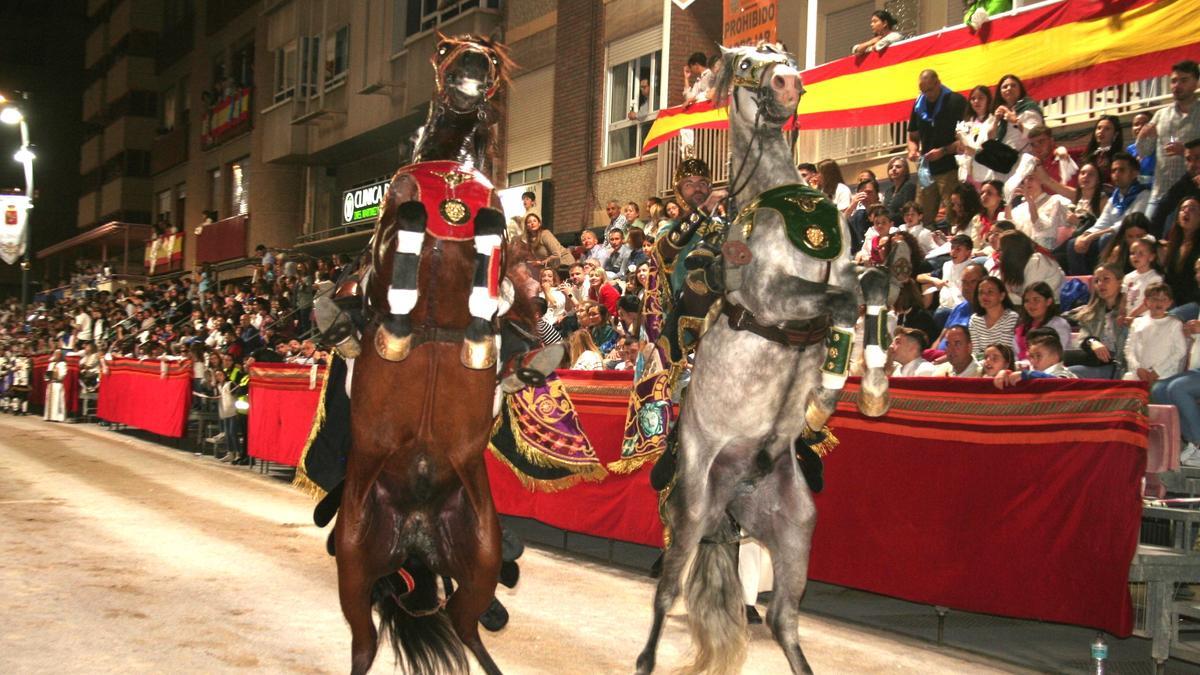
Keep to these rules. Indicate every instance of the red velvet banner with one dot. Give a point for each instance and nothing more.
(37, 382)
(622, 506)
(283, 400)
(982, 506)
(138, 394)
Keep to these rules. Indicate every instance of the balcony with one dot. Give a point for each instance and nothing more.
(228, 118)
(164, 254)
(222, 240)
(170, 149)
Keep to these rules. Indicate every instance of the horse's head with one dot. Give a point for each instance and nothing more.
(769, 74)
(468, 71)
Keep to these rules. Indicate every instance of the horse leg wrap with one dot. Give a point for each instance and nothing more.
(479, 350)
(873, 399)
(837, 360)
(874, 335)
(393, 338)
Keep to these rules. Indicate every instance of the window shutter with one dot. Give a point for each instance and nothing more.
(846, 28)
(530, 119)
(638, 44)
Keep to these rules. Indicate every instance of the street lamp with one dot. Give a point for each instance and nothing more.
(12, 116)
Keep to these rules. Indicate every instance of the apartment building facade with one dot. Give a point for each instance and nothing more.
(281, 120)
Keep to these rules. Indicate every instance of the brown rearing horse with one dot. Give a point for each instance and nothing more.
(416, 491)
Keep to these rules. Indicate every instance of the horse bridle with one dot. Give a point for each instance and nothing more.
(447, 53)
(748, 73)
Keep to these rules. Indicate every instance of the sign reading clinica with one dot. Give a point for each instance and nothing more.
(362, 204)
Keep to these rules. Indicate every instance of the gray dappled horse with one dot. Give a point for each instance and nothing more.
(750, 396)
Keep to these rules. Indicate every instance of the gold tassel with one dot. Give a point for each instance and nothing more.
(302, 481)
(539, 484)
(631, 464)
(827, 444)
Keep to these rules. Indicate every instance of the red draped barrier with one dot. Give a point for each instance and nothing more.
(283, 399)
(622, 506)
(1023, 503)
(37, 383)
(138, 394)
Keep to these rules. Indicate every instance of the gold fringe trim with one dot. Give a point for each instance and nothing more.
(579, 472)
(302, 481)
(826, 446)
(538, 484)
(631, 464)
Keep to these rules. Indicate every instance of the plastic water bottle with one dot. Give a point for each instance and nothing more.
(1099, 654)
(924, 173)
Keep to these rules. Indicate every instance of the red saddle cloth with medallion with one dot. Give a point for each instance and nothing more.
(453, 193)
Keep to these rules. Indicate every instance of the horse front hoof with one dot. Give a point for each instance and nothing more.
(391, 347)
(349, 348)
(874, 405)
(645, 664)
(479, 346)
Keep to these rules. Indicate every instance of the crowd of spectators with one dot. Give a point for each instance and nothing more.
(1023, 258)
(222, 327)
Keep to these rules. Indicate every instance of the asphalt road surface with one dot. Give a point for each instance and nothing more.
(120, 555)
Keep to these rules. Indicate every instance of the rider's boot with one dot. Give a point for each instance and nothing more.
(479, 351)
(393, 337)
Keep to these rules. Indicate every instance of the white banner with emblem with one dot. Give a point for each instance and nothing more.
(14, 210)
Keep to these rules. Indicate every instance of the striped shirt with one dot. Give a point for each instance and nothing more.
(548, 333)
(1003, 331)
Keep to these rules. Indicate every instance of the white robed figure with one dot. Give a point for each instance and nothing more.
(56, 395)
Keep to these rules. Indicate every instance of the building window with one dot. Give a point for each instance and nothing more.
(423, 15)
(170, 99)
(337, 57)
(214, 191)
(163, 203)
(285, 72)
(239, 187)
(530, 175)
(634, 91)
(310, 63)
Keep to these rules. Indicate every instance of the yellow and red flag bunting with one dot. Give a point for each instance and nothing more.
(1056, 49)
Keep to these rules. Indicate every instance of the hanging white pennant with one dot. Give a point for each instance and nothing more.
(14, 211)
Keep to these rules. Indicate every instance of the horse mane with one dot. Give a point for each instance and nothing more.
(724, 84)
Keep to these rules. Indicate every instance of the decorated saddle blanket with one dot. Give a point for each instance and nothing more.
(453, 193)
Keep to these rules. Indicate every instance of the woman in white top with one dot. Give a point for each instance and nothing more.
(584, 354)
(1021, 266)
(883, 33)
(556, 301)
(830, 181)
(973, 131)
(1042, 216)
(1015, 112)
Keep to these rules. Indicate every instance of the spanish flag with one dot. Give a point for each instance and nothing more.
(1056, 49)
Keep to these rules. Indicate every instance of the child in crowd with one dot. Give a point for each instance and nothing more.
(1040, 309)
(1143, 257)
(1045, 359)
(872, 248)
(950, 284)
(997, 357)
(1156, 346)
(916, 227)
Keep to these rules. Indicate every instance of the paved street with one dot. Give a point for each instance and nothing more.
(126, 556)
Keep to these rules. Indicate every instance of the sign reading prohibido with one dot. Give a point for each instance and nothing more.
(748, 22)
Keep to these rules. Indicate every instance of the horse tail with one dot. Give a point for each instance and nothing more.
(716, 617)
(426, 644)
